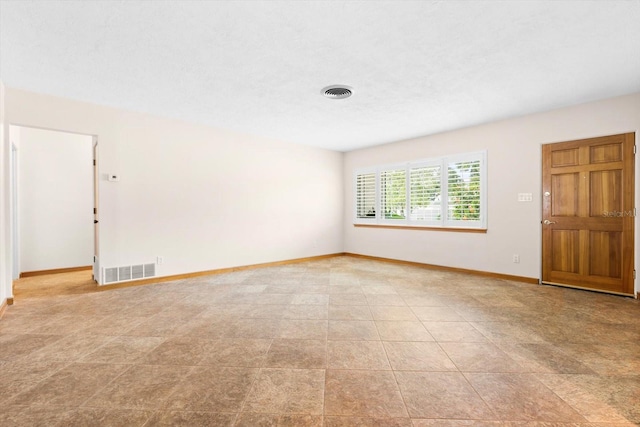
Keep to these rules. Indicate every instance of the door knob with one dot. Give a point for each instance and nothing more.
(547, 222)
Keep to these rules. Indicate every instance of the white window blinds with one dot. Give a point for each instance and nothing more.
(366, 195)
(463, 191)
(425, 194)
(393, 194)
(445, 192)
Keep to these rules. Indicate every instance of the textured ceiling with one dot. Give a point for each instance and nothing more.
(417, 67)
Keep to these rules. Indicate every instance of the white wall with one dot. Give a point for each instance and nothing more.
(203, 198)
(55, 196)
(514, 166)
(5, 229)
(207, 198)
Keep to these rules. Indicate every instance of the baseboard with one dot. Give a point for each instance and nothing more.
(523, 279)
(162, 279)
(54, 271)
(4, 304)
(153, 280)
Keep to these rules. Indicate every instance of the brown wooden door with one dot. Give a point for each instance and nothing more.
(588, 213)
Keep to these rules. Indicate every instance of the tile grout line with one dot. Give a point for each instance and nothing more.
(253, 383)
(496, 341)
(393, 372)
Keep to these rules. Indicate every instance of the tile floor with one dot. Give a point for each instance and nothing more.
(336, 342)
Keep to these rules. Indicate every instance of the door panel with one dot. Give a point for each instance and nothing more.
(565, 250)
(606, 153)
(566, 201)
(588, 210)
(564, 157)
(606, 253)
(606, 192)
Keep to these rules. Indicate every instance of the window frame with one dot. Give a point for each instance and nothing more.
(444, 222)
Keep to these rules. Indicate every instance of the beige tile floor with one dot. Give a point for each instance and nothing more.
(336, 342)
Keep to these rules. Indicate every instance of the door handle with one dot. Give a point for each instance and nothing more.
(547, 222)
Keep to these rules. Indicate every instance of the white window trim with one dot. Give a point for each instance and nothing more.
(444, 222)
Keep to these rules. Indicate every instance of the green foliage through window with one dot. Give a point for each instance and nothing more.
(437, 192)
(393, 194)
(425, 193)
(464, 191)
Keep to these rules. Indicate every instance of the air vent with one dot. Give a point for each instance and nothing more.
(149, 270)
(127, 273)
(124, 273)
(110, 275)
(337, 92)
(137, 272)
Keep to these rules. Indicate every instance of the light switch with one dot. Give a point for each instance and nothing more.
(525, 197)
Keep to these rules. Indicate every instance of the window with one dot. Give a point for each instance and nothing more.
(444, 192)
(366, 195)
(393, 194)
(425, 194)
(463, 184)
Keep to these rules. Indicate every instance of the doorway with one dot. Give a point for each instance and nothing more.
(588, 214)
(54, 202)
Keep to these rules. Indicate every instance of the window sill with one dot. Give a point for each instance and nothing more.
(425, 228)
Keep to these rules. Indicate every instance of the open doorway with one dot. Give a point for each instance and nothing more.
(54, 211)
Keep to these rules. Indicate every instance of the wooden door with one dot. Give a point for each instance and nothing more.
(588, 213)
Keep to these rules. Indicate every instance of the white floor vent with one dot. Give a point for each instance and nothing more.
(128, 272)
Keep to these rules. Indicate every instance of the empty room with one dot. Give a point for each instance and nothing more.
(319, 213)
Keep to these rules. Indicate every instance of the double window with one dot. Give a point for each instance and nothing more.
(444, 192)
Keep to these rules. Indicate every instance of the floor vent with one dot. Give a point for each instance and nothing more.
(137, 271)
(128, 272)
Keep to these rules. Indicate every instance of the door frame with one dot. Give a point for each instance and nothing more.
(14, 206)
(15, 214)
(96, 223)
(635, 293)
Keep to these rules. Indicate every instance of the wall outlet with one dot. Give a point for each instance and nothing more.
(160, 260)
(516, 258)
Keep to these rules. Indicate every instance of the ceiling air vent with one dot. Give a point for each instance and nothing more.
(337, 92)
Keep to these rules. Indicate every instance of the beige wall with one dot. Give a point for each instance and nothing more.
(207, 198)
(514, 166)
(200, 197)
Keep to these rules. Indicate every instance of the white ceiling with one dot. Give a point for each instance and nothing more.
(417, 67)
